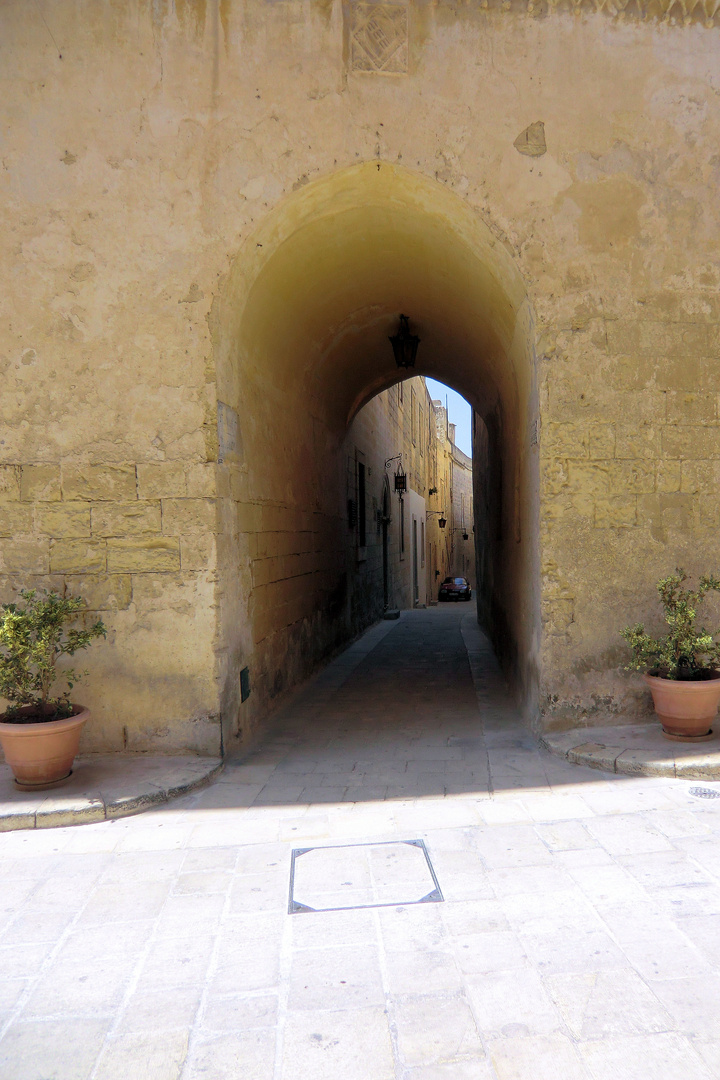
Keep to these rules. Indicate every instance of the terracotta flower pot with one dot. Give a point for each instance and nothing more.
(42, 753)
(685, 708)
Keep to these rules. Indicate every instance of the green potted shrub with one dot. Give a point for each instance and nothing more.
(681, 666)
(40, 730)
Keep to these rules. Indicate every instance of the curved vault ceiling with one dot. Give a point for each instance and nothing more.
(320, 285)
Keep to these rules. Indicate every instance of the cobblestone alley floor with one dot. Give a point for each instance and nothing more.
(571, 929)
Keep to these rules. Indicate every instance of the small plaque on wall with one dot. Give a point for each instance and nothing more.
(229, 442)
(379, 38)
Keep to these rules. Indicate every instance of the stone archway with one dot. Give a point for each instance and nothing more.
(301, 346)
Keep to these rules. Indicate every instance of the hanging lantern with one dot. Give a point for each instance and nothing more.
(465, 536)
(400, 481)
(442, 522)
(404, 344)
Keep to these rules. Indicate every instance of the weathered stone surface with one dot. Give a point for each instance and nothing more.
(103, 786)
(143, 554)
(40, 483)
(698, 766)
(243, 231)
(597, 755)
(637, 750)
(163, 480)
(646, 763)
(57, 810)
(185, 515)
(102, 592)
(27, 556)
(77, 556)
(531, 141)
(126, 519)
(16, 518)
(9, 483)
(198, 552)
(203, 481)
(63, 520)
(115, 483)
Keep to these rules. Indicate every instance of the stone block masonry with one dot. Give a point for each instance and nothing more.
(87, 520)
(217, 216)
(635, 475)
(124, 536)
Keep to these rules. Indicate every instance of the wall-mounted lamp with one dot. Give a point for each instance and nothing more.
(400, 477)
(404, 344)
(442, 520)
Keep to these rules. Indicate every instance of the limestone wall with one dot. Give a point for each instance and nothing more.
(182, 353)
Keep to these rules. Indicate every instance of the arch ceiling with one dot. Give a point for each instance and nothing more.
(318, 288)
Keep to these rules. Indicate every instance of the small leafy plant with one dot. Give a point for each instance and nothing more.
(687, 651)
(33, 637)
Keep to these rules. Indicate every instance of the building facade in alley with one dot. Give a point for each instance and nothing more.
(403, 540)
(213, 214)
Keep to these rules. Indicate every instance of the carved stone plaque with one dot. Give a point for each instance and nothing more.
(379, 38)
(229, 441)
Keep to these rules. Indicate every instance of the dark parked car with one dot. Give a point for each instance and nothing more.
(455, 588)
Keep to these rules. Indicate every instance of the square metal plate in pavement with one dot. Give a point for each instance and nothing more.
(347, 876)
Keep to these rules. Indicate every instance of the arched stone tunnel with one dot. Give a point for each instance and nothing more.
(301, 340)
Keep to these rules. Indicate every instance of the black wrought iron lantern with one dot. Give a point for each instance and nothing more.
(465, 536)
(404, 344)
(442, 520)
(400, 481)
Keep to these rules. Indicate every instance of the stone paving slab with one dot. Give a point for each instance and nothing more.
(637, 750)
(578, 937)
(102, 787)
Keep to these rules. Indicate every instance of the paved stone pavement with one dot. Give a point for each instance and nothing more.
(638, 749)
(103, 786)
(578, 937)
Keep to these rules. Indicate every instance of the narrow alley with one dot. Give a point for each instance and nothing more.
(399, 884)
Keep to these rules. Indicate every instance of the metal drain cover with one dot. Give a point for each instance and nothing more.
(705, 793)
(346, 876)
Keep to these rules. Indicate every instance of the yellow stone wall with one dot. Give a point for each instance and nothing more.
(211, 218)
(136, 541)
(311, 585)
(462, 520)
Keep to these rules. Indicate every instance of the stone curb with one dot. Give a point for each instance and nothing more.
(636, 750)
(104, 787)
